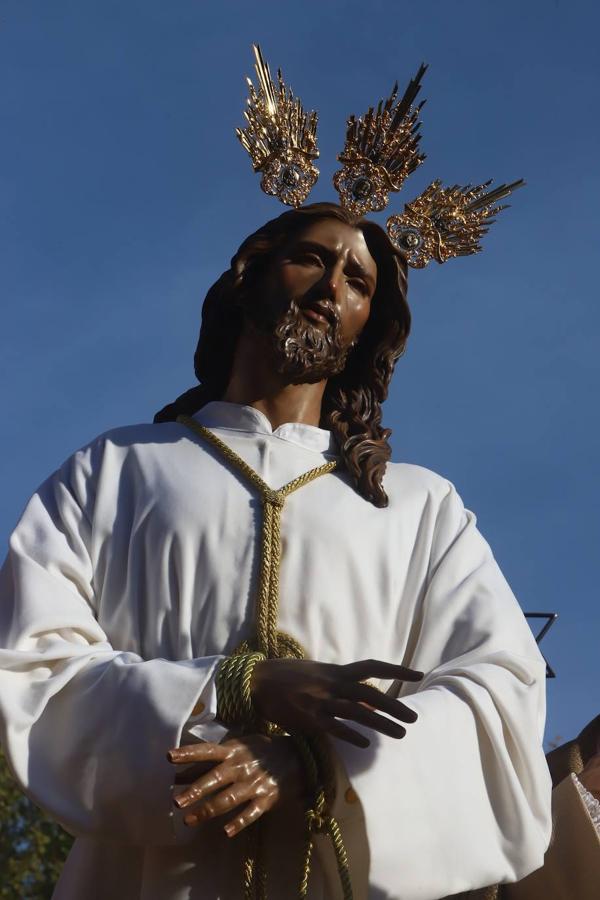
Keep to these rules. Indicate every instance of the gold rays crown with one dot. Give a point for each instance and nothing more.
(380, 151)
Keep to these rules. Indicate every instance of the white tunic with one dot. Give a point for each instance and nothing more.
(134, 569)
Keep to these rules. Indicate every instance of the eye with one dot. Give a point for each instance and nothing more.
(359, 285)
(305, 256)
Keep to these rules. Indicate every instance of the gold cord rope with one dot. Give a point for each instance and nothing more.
(235, 673)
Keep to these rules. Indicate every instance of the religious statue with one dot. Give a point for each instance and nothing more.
(243, 653)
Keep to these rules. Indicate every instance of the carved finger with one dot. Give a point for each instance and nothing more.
(355, 712)
(341, 731)
(206, 751)
(221, 803)
(376, 668)
(252, 812)
(364, 693)
(216, 778)
(186, 775)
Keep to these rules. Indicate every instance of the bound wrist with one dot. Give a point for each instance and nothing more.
(233, 683)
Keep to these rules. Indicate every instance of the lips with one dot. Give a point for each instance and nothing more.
(319, 312)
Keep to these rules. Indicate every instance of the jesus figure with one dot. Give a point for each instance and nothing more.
(211, 660)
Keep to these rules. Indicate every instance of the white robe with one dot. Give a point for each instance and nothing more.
(133, 571)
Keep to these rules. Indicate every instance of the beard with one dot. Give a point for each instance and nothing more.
(305, 353)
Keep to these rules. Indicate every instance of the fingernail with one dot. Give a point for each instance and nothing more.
(229, 830)
(190, 819)
(172, 755)
(180, 801)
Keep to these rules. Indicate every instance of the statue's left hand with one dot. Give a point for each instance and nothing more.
(253, 772)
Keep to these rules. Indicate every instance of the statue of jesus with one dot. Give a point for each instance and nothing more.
(244, 620)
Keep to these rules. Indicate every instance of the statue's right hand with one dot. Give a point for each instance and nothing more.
(303, 696)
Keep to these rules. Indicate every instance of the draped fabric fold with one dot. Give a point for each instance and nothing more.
(133, 571)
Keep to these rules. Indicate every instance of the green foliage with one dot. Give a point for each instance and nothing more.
(32, 846)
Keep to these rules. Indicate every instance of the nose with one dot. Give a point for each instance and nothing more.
(333, 283)
(332, 286)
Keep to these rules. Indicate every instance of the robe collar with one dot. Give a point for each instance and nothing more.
(222, 415)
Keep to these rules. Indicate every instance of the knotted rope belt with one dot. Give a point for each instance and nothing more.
(234, 700)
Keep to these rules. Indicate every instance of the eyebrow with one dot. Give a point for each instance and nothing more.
(354, 263)
(358, 267)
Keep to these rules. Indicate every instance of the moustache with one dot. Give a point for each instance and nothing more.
(306, 351)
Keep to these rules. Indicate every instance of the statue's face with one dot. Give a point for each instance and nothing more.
(317, 298)
(328, 269)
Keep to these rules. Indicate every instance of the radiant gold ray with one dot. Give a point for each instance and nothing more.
(280, 137)
(381, 150)
(445, 222)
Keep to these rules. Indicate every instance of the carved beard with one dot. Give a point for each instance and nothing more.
(305, 353)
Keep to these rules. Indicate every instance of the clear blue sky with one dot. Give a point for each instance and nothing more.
(123, 194)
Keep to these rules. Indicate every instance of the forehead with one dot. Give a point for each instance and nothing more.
(341, 239)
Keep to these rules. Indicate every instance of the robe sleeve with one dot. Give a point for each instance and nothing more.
(85, 727)
(468, 786)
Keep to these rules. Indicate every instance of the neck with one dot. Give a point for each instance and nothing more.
(253, 382)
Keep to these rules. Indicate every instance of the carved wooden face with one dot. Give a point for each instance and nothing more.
(315, 298)
(328, 272)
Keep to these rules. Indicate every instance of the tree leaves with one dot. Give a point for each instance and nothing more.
(32, 846)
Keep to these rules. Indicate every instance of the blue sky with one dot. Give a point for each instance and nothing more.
(124, 192)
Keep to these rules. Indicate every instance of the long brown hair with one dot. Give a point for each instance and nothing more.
(352, 400)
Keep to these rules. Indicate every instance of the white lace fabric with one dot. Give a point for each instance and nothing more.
(592, 805)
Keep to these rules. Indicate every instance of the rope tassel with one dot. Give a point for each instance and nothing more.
(234, 675)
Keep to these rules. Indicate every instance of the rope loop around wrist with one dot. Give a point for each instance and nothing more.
(233, 683)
